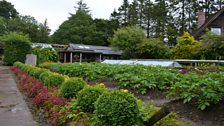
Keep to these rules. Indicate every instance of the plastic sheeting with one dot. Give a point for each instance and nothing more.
(146, 63)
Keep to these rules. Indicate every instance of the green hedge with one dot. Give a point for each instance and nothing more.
(88, 96)
(47, 77)
(71, 87)
(117, 108)
(16, 46)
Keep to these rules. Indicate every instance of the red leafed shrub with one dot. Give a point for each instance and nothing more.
(16, 70)
(41, 98)
(58, 100)
(36, 88)
(25, 83)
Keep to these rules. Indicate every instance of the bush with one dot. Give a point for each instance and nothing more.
(16, 47)
(54, 79)
(117, 108)
(45, 54)
(88, 96)
(186, 47)
(37, 72)
(44, 76)
(71, 87)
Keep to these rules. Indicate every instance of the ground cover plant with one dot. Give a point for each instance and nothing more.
(66, 111)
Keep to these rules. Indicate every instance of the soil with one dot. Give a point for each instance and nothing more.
(212, 116)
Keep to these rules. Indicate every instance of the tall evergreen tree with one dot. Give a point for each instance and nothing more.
(141, 11)
(81, 6)
(44, 32)
(133, 13)
(147, 16)
(123, 12)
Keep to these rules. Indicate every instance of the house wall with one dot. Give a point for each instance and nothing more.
(218, 23)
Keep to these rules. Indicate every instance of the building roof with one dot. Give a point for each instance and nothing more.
(59, 47)
(207, 23)
(93, 49)
(43, 45)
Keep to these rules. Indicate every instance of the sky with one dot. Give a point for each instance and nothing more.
(57, 11)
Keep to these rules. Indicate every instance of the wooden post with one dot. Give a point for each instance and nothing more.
(164, 111)
(80, 60)
(100, 57)
(64, 57)
(71, 54)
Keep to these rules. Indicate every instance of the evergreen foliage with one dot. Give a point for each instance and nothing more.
(16, 46)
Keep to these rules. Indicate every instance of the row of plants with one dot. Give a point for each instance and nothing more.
(138, 77)
(71, 101)
(204, 89)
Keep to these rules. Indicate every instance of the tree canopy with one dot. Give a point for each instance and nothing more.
(128, 39)
(7, 10)
(82, 28)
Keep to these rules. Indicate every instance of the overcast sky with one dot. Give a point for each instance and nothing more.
(57, 11)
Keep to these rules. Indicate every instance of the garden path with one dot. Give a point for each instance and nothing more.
(13, 109)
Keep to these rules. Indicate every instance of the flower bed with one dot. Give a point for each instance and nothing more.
(49, 99)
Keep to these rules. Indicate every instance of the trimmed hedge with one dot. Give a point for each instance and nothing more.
(47, 77)
(71, 87)
(88, 96)
(16, 47)
(117, 108)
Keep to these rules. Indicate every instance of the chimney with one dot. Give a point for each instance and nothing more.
(201, 18)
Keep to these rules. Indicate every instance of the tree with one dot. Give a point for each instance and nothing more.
(141, 11)
(128, 39)
(79, 28)
(3, 26)
(212, 46)
(153, 48)
(82, 6)
(7, 10)
(133, 13)
(44, 32)
(16, 46)
(123, 13)
(27, 25)
(186, 47)
(104, 30)
(147, 16)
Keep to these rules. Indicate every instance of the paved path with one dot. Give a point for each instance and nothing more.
(13, 109)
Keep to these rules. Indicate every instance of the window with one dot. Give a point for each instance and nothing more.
(216, 31)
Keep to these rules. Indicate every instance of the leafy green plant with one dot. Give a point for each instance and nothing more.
(138, 77)
(204, 89)
(71, 87)
(88, 96)
(16, 46)
(54, 79)
(117, 108)
(45, 54)
(186, 47)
